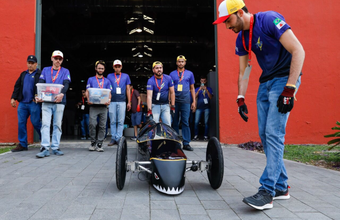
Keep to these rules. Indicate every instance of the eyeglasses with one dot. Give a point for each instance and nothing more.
(58, 58)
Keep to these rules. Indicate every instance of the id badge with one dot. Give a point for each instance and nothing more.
(82, 107)
(118, 90)
(179, 87)
(205, 100)
(247, 72)
(158, 96)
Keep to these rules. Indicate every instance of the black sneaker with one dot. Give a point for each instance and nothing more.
(281, 194)
(187, 147)
(19, 148)
(99, 147)
(195, 138)
(260, 201)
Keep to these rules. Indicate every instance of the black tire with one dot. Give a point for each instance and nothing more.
(121, 159)
(214, 156)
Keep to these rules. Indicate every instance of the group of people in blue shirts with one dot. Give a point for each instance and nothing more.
(170, 98)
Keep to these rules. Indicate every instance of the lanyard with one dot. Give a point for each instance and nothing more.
(56, 76)
(203, 93)
(117, 79)
(131, 94)
(180, 78)
(100, 86)
(250, 38)
(159, 87)
(83, 100)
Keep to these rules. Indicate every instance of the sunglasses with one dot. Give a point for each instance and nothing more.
(58, 58)
(117, 66)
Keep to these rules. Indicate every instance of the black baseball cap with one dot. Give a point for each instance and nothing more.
(32, 58)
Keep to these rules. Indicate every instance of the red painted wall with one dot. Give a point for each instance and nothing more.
(315, 113)
(317, 109)
(17, 37)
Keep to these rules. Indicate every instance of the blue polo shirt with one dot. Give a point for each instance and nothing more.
(272, 57)
(201, 96)
(164, 85)
(187, 80)
(121, 82)
(64, 74)
(28, 87)
(93, 83)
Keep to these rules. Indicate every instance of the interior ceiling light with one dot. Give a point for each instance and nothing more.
(148, 30)
(148, 19)
(148, 48)
(147, 54)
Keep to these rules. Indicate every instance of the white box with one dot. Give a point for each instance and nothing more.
(99, 96)
(48, 91)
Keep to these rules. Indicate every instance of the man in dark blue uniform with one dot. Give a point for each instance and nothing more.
(184, 82)
(280, 56)
(24, 92)
(159, 87)
(58, 75)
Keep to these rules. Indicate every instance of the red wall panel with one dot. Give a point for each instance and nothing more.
(17, 37)
(317, 109)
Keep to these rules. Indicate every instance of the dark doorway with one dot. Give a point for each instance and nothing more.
(89, 30)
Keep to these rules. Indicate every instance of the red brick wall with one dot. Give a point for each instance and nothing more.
(315, 23)
(17, 37)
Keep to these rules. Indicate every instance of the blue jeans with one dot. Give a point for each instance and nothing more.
(57, 110)
(206, 120)
(272, 130)
(117, 118)
(85, 125)
(163, 112)
(184, 110)
(24, 111)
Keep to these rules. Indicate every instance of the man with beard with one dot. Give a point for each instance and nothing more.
(120, 92)
(98, 111)
(158, 88)
(280, 56)
(24, 92)
(184, 82)
(54, 74)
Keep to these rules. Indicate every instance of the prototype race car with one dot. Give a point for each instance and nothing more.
(162, 158)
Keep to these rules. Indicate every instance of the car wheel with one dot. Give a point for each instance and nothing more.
(121, 163)
(214, 156)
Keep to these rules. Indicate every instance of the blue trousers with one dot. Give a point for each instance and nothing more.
(24, 111)
(182, 109)
(272, 131)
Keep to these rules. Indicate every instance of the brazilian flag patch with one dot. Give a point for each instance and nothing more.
(279, 23)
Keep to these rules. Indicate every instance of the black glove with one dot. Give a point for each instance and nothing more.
(242, 109)
(285, 102)
(172, 111)
(149, 116)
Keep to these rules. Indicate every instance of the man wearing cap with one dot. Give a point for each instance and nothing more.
(158, 88)
(280, 56)
(184, 82)
(98, 111)
(120, 92)
(54, 74)
(24, 92)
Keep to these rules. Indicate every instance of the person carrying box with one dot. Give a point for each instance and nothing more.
(98, 109)
(58, 75)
